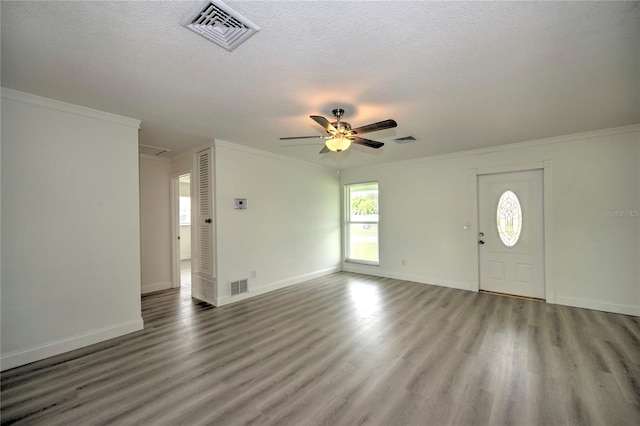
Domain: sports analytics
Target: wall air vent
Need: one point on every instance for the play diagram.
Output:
(406, 139)
(218, 23)
(238, 287)
(152, 150)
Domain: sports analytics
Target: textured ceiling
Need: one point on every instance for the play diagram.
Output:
(455, 75)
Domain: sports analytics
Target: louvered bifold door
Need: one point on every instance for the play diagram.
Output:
(203, 284)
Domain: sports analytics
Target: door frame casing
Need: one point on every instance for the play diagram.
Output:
(547, 179)
(174, 201)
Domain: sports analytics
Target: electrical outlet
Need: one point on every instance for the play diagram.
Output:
(241, 203)
(253, 274)
(404, 262)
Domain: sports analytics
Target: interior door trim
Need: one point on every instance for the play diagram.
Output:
(174, 197)
(174, 201)
(547, 185)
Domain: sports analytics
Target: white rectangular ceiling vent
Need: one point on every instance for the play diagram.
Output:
(218, 23)
(152, 150)
(406, 139)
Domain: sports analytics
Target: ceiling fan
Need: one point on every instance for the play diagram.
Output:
(340, 135)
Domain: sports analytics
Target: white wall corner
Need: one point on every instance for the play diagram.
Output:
(159, 286)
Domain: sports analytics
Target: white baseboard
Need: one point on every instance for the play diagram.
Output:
(151, 287)
(367, 270)
(598, 305)
(560, 300)
(18, 358)
(276, 285)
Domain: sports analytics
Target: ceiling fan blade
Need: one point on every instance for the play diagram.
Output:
(297, 144)
(381, 125)
(366, 142)
(301, 137)
(324, 149)
(324, 123)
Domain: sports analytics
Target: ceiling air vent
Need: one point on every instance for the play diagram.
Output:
(406, 139)
(218, 23)
(152, 150)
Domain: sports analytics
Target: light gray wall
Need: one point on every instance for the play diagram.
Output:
(290, 231)
(155, 225)
(426, 202)
(70, 227)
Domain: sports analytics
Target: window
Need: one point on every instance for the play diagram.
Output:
(362, 222)
(509, 218)
(185, 210)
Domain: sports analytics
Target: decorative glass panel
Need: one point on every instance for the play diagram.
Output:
(509, 218)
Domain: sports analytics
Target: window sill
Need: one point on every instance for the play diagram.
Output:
(362, 262)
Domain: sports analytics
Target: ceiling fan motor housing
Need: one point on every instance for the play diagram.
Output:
(342, 127)
(338, 113)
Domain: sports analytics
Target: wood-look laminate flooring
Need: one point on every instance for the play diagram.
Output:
(345, 349)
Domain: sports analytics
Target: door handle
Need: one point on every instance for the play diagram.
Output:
(208, 220)
(480, 242)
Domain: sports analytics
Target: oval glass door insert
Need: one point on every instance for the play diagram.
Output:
(509, 218)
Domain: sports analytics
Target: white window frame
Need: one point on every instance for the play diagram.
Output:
(348, 222)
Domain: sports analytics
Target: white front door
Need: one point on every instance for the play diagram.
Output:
(511, 233)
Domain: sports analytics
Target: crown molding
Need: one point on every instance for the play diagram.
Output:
(28, 98)
(633, 128)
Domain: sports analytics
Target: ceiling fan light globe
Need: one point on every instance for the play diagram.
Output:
(338, 144)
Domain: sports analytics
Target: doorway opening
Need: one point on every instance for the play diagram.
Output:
(183, 258)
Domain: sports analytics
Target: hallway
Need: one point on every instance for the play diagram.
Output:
(185, 275)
